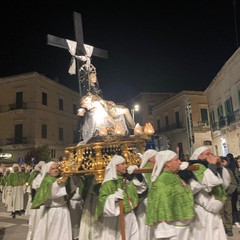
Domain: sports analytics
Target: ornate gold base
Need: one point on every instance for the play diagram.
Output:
(92, 158)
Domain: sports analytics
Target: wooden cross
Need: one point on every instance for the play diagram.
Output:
(83, 66)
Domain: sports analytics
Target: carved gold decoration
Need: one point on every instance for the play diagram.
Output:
(92, 158)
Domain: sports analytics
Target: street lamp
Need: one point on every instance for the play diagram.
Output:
(135, 109)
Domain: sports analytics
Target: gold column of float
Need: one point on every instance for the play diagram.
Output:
(98, 164)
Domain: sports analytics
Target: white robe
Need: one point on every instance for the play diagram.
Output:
(96, 118)
(208, 223)
(15, 200)
(55, 223)
(34, 214)
(108, 225)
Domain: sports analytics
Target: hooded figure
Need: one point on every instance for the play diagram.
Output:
(146, 232)
(113, 189)
(15, 188)
(55, 222)
(198, 152)
(170, 201)
(34, 214)
(210, 195)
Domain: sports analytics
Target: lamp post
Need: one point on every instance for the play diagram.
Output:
(133, 110)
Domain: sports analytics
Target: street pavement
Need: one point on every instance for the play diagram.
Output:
(17, 228)
(12, 228)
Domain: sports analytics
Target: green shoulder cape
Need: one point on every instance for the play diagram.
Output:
(13, 179)
(218, 191)
(43, 192)
(169, 200)
(109, 187)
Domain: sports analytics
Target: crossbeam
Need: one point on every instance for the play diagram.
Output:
(80, 50)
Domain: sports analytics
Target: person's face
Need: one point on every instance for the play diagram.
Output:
(54, 170)
(173, 165)
(152, 160)
(224, 163)
(205, 154)
(121, 168)
(92, 78)
(15, 169)
(238, 162)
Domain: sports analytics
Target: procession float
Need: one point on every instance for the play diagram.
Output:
(107, 128)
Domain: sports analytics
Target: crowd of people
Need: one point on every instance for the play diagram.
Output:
(171, 202)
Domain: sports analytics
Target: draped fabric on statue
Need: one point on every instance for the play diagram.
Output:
(95, 118)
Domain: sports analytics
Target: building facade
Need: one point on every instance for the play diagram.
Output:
(223, 96)
(182, 122)
(146, 102)
(35, 110)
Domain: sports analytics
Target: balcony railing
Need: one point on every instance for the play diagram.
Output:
(19, 140)
(15, 106)
(227, 120)
(171, 127)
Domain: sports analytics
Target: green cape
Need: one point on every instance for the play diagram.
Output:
(43, 192)
(169, 200)
(218, 191)
(109, 187)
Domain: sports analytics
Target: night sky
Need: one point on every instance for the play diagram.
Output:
(167, 46)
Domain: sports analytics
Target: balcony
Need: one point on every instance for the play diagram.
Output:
(201, 124)
(18, 140)
(172, 127)
(226, 122)
(15, 106)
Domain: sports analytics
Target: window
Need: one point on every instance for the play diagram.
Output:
(44, 98)
(76, 136)
(60, 134)
(220, 111)
(177, 118)
(60, 104)
(228, 106)
(204, 115)
(19, 100)
(212, 118)
(150, 108)
(229, 111)
(207, 143)
(74, 109)
(18, 133)
(44, 131)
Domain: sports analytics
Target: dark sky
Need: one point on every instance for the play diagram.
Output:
(154, 46)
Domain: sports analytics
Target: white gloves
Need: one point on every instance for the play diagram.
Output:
(131, 168)
(184, 165)
(119, 194)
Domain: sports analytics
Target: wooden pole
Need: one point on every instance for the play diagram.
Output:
(122, 225)
(149, 170)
